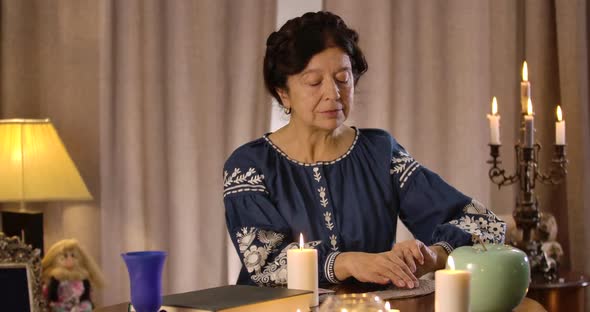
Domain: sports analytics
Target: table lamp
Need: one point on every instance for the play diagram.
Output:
(34, 167)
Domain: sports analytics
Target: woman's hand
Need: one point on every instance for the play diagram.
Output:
(420, 258)
(413, 252)
(380, 268)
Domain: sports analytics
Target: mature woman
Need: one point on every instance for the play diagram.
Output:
(342, 187)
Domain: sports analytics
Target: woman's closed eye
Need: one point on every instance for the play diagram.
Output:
(312, 79)
(343, 77)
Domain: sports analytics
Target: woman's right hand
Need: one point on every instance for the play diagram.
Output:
(379, 268)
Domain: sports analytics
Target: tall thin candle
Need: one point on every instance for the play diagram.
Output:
(529, 126)
(494, 119)
(559, 128)
(525, 88)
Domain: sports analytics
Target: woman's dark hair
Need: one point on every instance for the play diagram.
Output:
(289, 50)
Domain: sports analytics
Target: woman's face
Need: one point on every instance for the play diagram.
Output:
(321, 95)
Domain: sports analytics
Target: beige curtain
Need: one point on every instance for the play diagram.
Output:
(573, 37)
(433, 68)
(49, 69)
(182, 89)
(430, 97)
(150, 97)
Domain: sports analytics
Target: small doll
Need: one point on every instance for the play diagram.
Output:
(68, 274)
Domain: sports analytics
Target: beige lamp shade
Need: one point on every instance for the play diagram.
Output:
(34, 164)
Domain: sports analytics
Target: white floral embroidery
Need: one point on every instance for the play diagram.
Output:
(328, 219)
(241, 182)
(323, 200)
(397, 169)
(334, 242)
(402, 167)
(270, 237)
(468, 224)
(402, 158)
(316, 174)
(312, 244)
(275, 272)
(475, 207)
(400, 162)
(254, 256)
(497, 228)
(481, 222)
(245, 238)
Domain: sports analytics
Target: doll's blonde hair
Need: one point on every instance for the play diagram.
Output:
(85, 261)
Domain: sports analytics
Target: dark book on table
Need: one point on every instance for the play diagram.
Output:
(238, 298)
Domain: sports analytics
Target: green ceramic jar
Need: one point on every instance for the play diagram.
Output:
(500, 276)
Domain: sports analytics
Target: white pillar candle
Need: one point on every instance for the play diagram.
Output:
(494, 119)
(529, 126)
(302, 270)
(525, 88)
(559, 128)
(451, 290)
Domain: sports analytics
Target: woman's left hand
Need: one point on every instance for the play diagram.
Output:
(420, 258)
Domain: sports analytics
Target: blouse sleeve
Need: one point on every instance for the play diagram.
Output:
(435, 212)
(259, 232)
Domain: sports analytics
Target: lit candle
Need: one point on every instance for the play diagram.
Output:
(529, 126)
(525, 88)
(451, 289)
(494, 119)
(302, 270)
(559, 128)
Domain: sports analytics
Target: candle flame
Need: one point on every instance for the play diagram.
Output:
(559, 113)
(494, 106)
(387, 306)
(529, 108)
(451, 263)
(525, 72)
(300, 240)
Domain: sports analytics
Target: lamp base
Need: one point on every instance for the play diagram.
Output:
(29, 223)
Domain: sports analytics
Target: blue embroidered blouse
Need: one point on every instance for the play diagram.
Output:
(348, 204)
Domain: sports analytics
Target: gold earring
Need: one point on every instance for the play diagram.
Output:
(287, 110)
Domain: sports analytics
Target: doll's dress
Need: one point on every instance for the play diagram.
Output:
(69, 293)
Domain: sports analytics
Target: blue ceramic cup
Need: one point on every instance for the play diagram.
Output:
(145, 278)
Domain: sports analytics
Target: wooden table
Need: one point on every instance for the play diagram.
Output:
(422, 303)
(565, 293)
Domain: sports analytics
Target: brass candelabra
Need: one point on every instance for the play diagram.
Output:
(526, 213)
